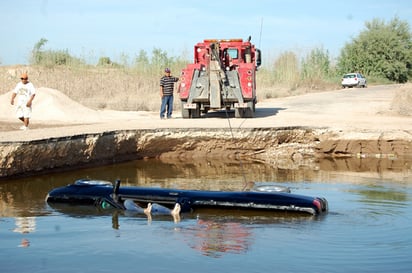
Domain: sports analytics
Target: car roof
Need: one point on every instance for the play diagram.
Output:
(352, 74)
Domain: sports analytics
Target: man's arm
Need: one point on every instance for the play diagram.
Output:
(13, 96)
(30, 101)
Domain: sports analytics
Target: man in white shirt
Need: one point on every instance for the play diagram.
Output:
(25, 92)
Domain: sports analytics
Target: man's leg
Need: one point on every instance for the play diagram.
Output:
(170, 107)
(163, 107)
(24, 126)
(26, 117)
(176, 213)
(20, 113)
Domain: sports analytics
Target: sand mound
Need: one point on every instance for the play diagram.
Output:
(402, 101)
(51, 105)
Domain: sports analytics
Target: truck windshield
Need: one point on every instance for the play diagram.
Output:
(232, 53)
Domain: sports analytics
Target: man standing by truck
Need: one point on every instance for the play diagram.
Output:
(166, 93)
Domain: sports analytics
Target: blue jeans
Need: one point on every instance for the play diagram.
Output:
(167, 101)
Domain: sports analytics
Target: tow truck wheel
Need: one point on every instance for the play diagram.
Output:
(238, 112)
(185, 112)
(248, 112)
(195, 113)
(252, 108)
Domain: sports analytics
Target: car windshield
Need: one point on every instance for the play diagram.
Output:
(349, 76)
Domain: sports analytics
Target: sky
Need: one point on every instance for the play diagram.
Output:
(91, 29)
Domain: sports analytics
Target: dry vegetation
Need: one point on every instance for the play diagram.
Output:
(97, 88)
(123, 89)
(128, 89)
(402, 102)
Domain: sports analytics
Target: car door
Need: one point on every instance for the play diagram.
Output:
(361, 79)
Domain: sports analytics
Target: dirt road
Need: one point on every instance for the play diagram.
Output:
(351, 110)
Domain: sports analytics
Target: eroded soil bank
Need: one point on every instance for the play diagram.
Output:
(288, 147)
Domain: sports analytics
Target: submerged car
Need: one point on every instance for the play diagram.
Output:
(104, 194)
(354, 80)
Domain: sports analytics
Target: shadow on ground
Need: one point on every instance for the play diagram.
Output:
(259, 113)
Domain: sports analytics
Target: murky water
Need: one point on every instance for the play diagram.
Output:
(368, 227)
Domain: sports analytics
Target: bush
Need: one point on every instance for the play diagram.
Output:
(382, 50)
(51, 58)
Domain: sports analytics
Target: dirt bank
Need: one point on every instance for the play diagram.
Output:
(343, 123)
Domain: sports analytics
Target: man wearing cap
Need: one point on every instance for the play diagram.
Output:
(25, 92)
(166, 93)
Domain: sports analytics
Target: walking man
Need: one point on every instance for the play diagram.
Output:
(25, 92)
(166, 93)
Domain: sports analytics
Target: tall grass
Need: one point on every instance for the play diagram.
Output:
(133, 84)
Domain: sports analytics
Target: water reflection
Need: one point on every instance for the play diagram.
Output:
(213, 233)
(369, 164)
(375, 197)
(214, 239)
(24, 243)
(25, 224)
(380, 193)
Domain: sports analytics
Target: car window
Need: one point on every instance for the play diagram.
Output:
(349, 76)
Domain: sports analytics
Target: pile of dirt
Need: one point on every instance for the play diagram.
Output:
(402, 101)
(52, 106)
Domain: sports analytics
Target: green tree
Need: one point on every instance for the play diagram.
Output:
(104, 61)
(286, 68)
(160, 59)
(52, 57)
(141, 61)
(316, 65)
(37, 54)
(382, 49)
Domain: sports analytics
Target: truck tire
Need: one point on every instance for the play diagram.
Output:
(195, 113)
(190, 113)
(248, 112)
(238, 113)
(185, 112)
(252, 106)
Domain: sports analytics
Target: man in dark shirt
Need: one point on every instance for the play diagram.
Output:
(166, 93)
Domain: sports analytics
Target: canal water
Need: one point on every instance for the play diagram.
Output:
(368, 227)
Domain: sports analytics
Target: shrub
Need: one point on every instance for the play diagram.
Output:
(381, 50)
